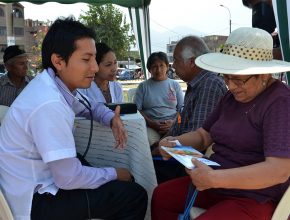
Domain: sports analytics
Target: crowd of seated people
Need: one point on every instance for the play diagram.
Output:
(41, 177)
(241, 115)
(248, 130)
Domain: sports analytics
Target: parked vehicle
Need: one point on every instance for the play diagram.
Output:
(125, 75)
(119, 71)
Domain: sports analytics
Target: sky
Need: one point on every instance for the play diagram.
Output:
(205, 17)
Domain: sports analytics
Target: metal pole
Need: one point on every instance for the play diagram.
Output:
(129, 57)
(230, 16)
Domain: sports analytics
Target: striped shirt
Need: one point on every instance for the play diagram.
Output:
(8, 91)
(202, 95)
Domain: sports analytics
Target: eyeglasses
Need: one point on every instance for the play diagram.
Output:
(237, 82)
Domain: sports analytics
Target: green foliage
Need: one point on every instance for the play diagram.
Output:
(36, 61)
(221, 46)
(134, 55)
(110, 26)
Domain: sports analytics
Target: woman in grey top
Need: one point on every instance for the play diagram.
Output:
(159, 98)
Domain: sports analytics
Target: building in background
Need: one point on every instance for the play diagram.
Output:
(31, 29)
(34, 33)
(170, 49)
(11, 26)
(14, 29)
(215, 42)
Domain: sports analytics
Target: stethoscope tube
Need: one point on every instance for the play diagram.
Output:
(88, 106)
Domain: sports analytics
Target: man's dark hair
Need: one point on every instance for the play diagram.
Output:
(156, 56)
(61, 38)
(263, 15)
(247, 3)
(102, 49)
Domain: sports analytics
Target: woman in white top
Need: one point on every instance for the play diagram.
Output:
(104, 88)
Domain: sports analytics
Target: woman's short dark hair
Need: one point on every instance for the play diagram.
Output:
(156, 56)
(102, 49)
(61, 38)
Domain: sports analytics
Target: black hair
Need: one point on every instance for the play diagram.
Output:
(102, 49)
(156, 56)
(247, 3)
(61, 38)
(263, 17)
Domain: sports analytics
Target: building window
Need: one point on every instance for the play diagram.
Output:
(2, 31)
(17, 13)
(2, 14)
(19, 31)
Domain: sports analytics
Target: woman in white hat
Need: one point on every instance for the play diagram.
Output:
(250, 130)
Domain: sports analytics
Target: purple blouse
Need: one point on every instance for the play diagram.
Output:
(246, 133)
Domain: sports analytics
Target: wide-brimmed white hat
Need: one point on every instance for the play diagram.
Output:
(247, 51)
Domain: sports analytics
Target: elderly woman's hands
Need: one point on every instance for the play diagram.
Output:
(201, 176)
(119, 132)
(166, 142)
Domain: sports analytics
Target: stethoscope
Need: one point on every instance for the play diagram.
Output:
(85, 102)
(88, 106)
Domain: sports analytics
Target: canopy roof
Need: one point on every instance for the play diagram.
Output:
(125, 3)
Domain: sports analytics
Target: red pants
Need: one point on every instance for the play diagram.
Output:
(168, 202)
